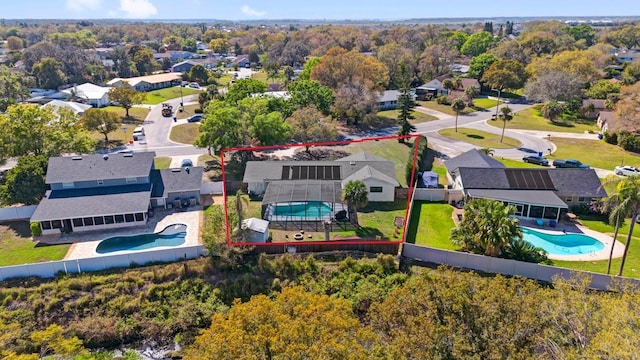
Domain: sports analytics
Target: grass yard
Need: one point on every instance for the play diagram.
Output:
(485, 103)
(480, 138)
(162, 162)
(16, 247)
(518, 164)
(135, 113)
(433, 105)
(119, 137)
(442, 174)
(419, 117)
(212, 168)
(632, 264)
(431, 225)
(530, 119)
(157, 96)
(596, 153)
(388, 149)
(188, 110)
(184, 133)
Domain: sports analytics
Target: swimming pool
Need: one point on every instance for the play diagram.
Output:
(309, 209)
(562, 244)
(172, 235)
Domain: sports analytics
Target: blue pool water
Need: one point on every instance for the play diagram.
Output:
(562, 244)
(309, 209)
(172, 235)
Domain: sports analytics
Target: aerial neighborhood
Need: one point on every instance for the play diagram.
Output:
(318, 189)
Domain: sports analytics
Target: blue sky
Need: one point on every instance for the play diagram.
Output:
(309, 9)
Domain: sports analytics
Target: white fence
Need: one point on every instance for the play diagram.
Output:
(51, 268)
(430, 194)
(211, 188)
(17, 212)
(504, 266)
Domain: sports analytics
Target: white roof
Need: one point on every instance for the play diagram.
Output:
(151, 79)
(255, 224)
(77, 108)
(88, 91)
(368, 172)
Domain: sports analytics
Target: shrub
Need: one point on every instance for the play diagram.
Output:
(443, 100)
(611, 138)
(421, 144)
(35, 228)
(628, 141)
(198, 111)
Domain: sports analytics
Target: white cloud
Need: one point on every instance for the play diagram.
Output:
(251, 12)
(82, 5)
(138, 9)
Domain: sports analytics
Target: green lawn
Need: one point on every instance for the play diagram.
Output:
(485, 103)
(632, 265)
(162, 162)
(480, 138)
(530, 119)
(433, 105)
(431, 225)
(16, 247)
(388, 149)
(157, 96)
(442, 174)
(184, 133)
(596, 153)
(518, 164)
(119, 137)
(188, 111)
(419, 117)
(224, 80)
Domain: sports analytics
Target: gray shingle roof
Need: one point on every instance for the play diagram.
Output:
(369, 172)
(533, 197)
(167, 181)
(58, 205)
(472, 158)
(483, 178)
(99, 167)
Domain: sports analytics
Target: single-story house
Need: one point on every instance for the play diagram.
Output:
(592, 107)
(183, 66)
(536, 193)
(629, 55)
(96, 96)
(241, 61)
(436, 84)
(608, 121)
(388, 100)
(149, 82)
(96, 192)
(77, 108)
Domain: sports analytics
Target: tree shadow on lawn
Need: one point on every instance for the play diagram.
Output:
(384, 206)
(130, 120)
(366, 232)
(16, 229)
(474, 136)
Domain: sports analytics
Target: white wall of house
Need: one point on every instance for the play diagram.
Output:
(257, 188)
(388, 190)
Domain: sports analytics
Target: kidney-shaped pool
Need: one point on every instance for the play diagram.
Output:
(172, 235)
(561, 243)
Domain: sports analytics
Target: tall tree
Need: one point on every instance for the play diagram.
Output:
(617, 215)
(25, 183)
(470, 93)
(126, 97)
(505, 74)
(551, 110)
(48, 73)
(628, 198)
(199, 73)
(220, 127)
(457, 106)
(356, 196)
(15, 43)
(304, 93)
(505, 115)
(243, 88)
(101, 121)
(487, 227)
(269, 129)
(308, 125)
(479, 64)
(407, 104)
(555, 85)
(477, 44)
(13, 88)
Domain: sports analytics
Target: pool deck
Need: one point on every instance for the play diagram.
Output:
(572, 227)
(86, 244)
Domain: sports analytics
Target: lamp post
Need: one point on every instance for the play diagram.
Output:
(498, 103)
(124, 132)
(181, 99)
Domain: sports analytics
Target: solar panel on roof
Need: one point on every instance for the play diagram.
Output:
(296, 172)
(529, 179)
(285, 172)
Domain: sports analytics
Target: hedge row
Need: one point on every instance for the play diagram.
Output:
(421, 165)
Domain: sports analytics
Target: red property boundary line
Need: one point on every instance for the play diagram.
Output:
(416, 137)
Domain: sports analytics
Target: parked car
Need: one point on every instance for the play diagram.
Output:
(194, 85)
(570, 163)
(186, 163)
(194, 118)
(626, 170)
(138, 133)
(535, 159)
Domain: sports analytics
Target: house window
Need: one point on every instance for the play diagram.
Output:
(77, 222)
(139, 216)
(100, 182)
(132, 180)
(119, 219)
(67, 185)
(108, 219)
(568, 199)
(46, 225)
(582, 199)
(98, 220)
(128, 218)
(375, 189)
(88, 221)
(56, 224)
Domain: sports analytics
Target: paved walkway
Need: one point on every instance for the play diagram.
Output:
(87, 243)
(438, 114)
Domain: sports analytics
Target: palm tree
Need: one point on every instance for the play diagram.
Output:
(470, 93)
(628, 202)
(458, 106)
(505, 115)
(616, 215)
(356, 196)
(551, 110)
(486, 151)
(487, 228)
(456, 83)
(448, 85)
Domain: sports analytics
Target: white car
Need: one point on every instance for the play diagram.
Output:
(626, 170)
